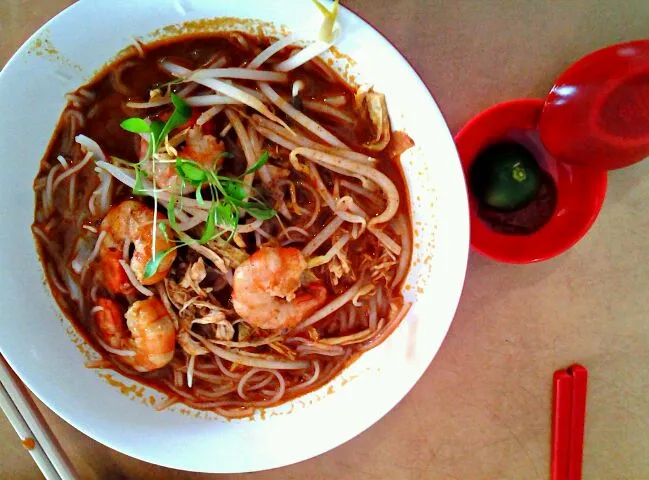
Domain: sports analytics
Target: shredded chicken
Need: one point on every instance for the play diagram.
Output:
(232, 256)
(194, 275)
(224, 331)
(177, 295)
(214, 317)
(371, 105)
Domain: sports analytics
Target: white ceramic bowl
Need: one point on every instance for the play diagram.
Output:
(46, 353)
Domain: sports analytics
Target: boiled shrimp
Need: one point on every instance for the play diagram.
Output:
(132, 221)
(267, 289)
(200, 147)
(147, 338)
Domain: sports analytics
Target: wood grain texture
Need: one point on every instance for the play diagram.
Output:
(482, 410)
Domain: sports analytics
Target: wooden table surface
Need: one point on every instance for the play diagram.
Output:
(482, 410)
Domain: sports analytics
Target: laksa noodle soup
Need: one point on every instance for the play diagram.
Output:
(226, 220)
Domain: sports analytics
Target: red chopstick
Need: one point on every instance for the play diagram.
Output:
(568, 416)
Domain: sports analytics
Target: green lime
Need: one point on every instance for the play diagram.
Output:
(505, 176)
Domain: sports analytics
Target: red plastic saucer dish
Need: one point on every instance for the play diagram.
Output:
(597, 113)
(580, 190)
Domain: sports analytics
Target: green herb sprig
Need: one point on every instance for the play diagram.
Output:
(228, 196)
(157, 131)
